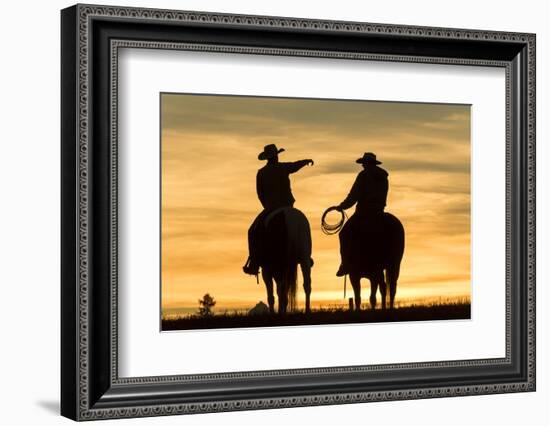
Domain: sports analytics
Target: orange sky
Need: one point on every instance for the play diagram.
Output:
(210, 146)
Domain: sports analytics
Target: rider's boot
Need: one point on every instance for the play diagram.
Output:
(341, 271)
(251, 267)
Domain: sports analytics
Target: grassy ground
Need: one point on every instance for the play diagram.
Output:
(323, 316)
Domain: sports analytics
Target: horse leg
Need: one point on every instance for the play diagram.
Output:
(355, 280)
(391, 275)
(306, 273)
(282, 295)
(268, 280)
(373, 288)
(382, 286)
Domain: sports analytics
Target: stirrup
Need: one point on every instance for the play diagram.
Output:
(251, 269)
(341, 271)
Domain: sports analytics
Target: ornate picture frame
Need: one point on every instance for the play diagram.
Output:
(91, 39)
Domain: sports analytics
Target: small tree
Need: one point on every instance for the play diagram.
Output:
(205, 305)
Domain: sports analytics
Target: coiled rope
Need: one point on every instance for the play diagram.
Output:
(331, 229)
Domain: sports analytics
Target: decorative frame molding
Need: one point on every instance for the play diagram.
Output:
(91, 37)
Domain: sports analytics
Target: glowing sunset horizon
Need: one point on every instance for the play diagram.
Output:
(209, 153)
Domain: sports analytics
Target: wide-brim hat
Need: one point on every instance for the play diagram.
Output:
(269, 151)
(368, 158)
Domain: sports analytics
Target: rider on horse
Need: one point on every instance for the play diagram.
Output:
(369, 192)
(273, 188)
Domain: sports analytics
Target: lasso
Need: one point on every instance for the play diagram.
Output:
(329, 229)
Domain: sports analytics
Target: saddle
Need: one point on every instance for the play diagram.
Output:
(369, 223)
(274, 213)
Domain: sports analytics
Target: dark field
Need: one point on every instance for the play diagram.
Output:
(318, 317)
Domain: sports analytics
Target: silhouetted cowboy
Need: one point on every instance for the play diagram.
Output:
(273, 188)
(369, 192)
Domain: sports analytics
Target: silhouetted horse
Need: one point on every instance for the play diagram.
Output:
(371, 254)
(287, 244)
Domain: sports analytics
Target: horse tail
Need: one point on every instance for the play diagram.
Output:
(394, 240)
(394, 254)
(291, 284)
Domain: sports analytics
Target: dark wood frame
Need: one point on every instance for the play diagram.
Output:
(90, 386)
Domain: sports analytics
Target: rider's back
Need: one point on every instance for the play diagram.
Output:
(374, 189)
(273, 185)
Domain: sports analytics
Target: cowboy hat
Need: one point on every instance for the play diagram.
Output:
(368, 157)
(270, 151)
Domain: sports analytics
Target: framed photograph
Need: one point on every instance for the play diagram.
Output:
(263, 212)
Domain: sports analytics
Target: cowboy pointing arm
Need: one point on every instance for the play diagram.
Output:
(291, 167)
(297, 165)
(265, 186)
